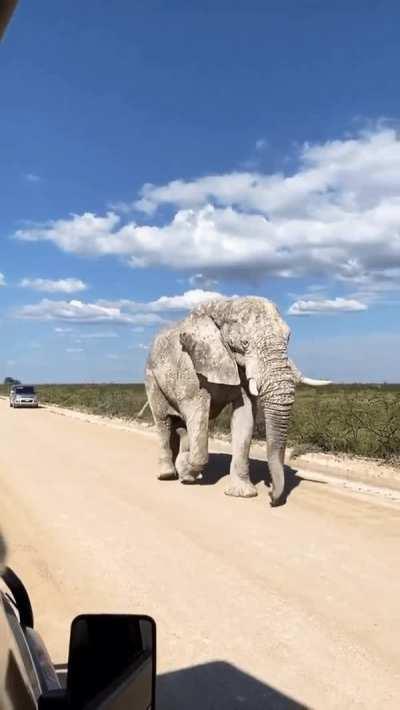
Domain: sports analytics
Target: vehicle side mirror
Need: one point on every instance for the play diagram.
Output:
(111, 664)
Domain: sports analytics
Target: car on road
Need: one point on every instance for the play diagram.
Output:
(23, 396)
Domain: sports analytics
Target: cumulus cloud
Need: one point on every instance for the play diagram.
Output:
(182, 302)
(79, 312)
(335, 305)
(69, 285)
(2, 280)
(185, 301)
(337, 215)
(81, 234)
(123, 311)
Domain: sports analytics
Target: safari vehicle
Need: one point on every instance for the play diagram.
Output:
(111, 664)
(112, 657)
(23, 396)
(111, 661)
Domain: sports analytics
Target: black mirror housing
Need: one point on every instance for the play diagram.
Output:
(111, 664)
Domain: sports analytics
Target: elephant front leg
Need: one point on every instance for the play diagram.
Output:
(242, 425)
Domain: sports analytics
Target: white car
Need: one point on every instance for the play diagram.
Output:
(23, 396)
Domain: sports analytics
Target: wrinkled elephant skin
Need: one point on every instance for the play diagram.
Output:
(228, 351)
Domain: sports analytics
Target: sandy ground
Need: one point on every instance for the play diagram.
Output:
(255, 607)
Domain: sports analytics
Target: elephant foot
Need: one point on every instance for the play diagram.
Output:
(276, 502)
(168, 476)
(242, 489)
(185, 470)
(188, 478)
(167, 473)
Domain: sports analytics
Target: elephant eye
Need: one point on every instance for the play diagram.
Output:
(245, 343)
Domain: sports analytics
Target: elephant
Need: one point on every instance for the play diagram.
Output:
(226, 351)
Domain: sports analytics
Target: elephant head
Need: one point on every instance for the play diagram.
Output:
(249, 334)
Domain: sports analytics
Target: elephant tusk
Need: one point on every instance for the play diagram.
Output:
(307, 380)
(253, 387)
(143, 409)
(314, 383)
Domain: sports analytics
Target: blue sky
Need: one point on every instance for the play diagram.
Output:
(154, 150)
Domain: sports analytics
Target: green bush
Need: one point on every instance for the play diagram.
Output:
(364, 422)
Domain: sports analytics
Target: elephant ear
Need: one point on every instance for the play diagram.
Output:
(211, 356)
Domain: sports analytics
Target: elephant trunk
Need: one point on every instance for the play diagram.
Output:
(277, 396)
(276, 426)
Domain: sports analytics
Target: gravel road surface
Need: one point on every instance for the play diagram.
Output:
(255, 607)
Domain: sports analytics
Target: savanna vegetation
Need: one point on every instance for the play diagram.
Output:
(355, 419)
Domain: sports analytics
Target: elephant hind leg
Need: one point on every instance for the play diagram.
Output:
(166, 461)
(182, 463)
(165, 427)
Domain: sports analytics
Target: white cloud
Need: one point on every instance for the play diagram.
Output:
(336, 216)
(79, 312)
(123, 311)
(113, 356)
(69, 285)
(74, 350)
(335, 305)
(186, 301)
(182, 302)
(81, 234)
(32, 177)
(202, 281)
(2, 280)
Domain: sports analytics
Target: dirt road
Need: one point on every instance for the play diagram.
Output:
(255, 607)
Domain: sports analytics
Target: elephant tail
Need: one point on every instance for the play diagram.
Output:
(143, 409)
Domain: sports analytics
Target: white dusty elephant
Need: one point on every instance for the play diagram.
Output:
(226, 351)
